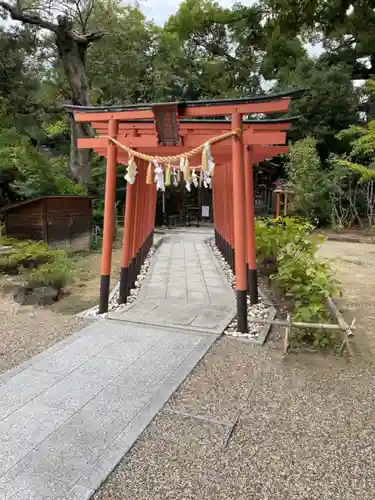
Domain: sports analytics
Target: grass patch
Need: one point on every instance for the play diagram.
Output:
(85, 284)
(29, 265)
(56, 273)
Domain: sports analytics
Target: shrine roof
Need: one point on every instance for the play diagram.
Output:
(187, 104)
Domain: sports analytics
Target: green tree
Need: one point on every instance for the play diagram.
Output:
(26, 168)
(221, 48)
(27, 172)
(282, 54)
(310, 183)
(361, 162)
(361, 157)
(68, 22)
(345, 28)
(121, 69)
(329, 104)
(19, 81)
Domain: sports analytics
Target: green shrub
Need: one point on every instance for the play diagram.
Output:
(56, 273)
(274, 234)
(34, 172)
(23, 254)
(44, 267)
(307, 281)
(287, 248)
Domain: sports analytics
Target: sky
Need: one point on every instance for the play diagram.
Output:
(160, 10)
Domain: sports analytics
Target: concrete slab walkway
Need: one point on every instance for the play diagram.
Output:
(185, 287)
(70, 414)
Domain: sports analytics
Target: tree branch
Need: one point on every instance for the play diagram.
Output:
(215, 50)
(98, 35)
(18, 15)
(87, 38)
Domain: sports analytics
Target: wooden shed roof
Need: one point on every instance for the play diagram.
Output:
(39, 198)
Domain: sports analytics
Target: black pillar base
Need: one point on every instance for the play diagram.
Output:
(242, 311)
(104, 294)
(252, 283)
(131, 274)
(124, 285)
(139, 263)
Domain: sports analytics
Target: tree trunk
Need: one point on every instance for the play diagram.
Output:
(72, 55)
(79, 159)
(72, 47)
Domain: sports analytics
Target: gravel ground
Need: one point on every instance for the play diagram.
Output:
(25, 331)
(304, 431)
(354, 263)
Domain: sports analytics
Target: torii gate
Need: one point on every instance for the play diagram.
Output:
(173, 130)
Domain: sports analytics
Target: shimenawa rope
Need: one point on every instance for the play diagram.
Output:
(175, 158)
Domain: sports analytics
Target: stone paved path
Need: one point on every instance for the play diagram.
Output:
(185, 287)
(70, 414)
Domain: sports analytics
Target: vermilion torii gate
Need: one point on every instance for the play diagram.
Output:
(169, 134)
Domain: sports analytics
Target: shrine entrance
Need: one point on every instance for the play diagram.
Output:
(175, 207)
(204, 144)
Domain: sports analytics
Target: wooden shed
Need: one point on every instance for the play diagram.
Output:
(61, 221)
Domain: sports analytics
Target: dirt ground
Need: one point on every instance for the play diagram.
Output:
(84, 291)
(28, 330)
(355, 269)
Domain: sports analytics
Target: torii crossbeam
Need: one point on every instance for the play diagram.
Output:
(175, 129)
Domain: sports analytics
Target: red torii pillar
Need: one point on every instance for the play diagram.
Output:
(126, 256)
(109, 218)
(252, 278)
(253, 155)
(239, 222)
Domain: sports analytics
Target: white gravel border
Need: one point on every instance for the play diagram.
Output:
(262, 310)
(113, 304)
